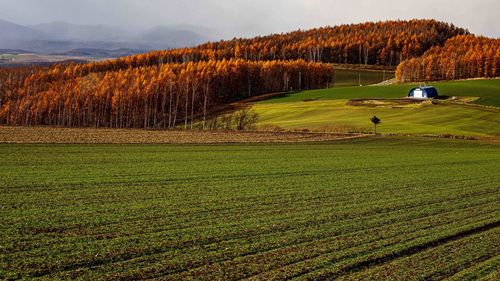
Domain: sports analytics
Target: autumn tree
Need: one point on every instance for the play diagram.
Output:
(147, 97)
(463, 56)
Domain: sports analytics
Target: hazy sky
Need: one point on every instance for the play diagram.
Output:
(250, 17)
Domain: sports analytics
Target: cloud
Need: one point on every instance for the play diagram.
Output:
(251, 17)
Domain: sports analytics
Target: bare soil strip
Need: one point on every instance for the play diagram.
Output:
(54, 135)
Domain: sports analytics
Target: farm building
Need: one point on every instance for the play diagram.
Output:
(423, 93)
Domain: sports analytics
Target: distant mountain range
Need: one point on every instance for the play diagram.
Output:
(62, 38)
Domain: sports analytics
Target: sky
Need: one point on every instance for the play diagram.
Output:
(243, 18)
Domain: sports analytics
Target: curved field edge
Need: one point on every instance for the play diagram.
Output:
(487, 90)
(423, 119)
(330, 109)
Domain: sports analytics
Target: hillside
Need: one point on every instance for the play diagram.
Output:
(154, 97)
(132, 91)
(345, 77)
(249, 140)
(330, 110)
(463, 56)
(381, 43)
(73, 32)
(12, 34)
(62, 37)
(181, 87)
(487, 90)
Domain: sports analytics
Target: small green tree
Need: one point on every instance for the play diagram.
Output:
(375, 120)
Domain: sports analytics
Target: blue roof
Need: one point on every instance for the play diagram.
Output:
(430, 91)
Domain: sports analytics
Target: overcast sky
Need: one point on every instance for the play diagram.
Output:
(251, 17)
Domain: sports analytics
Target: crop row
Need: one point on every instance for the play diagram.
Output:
(293, 239)
(232, 212)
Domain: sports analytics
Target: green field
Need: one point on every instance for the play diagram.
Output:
(352, 77)
(487, 90)
(328, 107)
(385, 208)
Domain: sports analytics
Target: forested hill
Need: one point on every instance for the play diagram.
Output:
(162, 96)
(163, 89)
(463, 56)
(381, 43)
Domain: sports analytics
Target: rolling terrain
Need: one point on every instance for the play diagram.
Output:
(345, 77)
(140, 167)
(487, 90)
(321, 109)
(49, 40)
(132, 92)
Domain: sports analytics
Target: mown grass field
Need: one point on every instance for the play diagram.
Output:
(344, 77)
(488, 90)
(426, 210)
(327, 108)
(419, 120)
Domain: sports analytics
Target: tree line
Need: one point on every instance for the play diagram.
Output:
(373, 43)
(370, 43)
(463, 56)
(164, 96)
(172, 88)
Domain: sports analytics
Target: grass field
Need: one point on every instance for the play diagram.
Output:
(426, 210)
(488, 91)
(352, 77)
(324, 108)
(422, 119)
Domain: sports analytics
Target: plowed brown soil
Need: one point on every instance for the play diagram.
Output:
(118, 136)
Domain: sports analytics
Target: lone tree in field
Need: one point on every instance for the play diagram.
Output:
(375, 120)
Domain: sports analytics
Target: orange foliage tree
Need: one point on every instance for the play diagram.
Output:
(148, 97)
(463, 56)
(373, 43)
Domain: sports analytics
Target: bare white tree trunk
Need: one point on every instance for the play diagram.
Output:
(186, 115)
(195, 84)
(205, 101)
